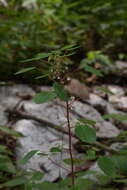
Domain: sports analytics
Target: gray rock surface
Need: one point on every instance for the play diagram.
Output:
(3, 116)
(40, 137)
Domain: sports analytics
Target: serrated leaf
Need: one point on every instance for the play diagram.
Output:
(106, 90)
(61, 93)
(107, 166)
(28, 156)
(14, 182)
(85, 133)
(43, 97)
(11, 132)
(93, 71)
(87, 121)
(115, 116)
(25, 70)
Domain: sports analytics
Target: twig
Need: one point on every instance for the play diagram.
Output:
(106, 148)
(25, 115)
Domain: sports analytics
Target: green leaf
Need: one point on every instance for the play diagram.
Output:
(76, 161)
(93, 54)
(61, 93)
(107, 166)
(87, 121)
(115, 116)
(28, 156)
(123, 150)
(103, 179)
(106, 90)
(67, 47)
(28, 186)
(48, 186)
(120, 162)
(103, 59)
(84, 62)
(124, 181)
(92, 70)
(91, 154)
(83, 184)
(73, 48)
(55, 149)
(42, 55)
(42, 154)
(85, 133)
(37, 175)
(6, 164)
(14, 182)
(42, 76)
(38, 57)
(11, 132)
(43, 97)
(25, 70)
(69, 54)
(4, 149)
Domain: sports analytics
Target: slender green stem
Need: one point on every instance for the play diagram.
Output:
(70, 145)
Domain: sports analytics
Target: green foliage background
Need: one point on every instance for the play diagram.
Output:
(94, 25)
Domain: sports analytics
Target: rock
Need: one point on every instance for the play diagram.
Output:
(30, 4)
(104, 107)
(78, 89)
(117, 90)
(121, 67)
(3, 116)
(104, 128)
(15, 90)
(95, 171)
(42, 138)
(119, 99)
(4, 3)
(118, 145)
(56, 114)
(11, 95)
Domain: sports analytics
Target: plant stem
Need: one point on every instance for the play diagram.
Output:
(70, 144)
